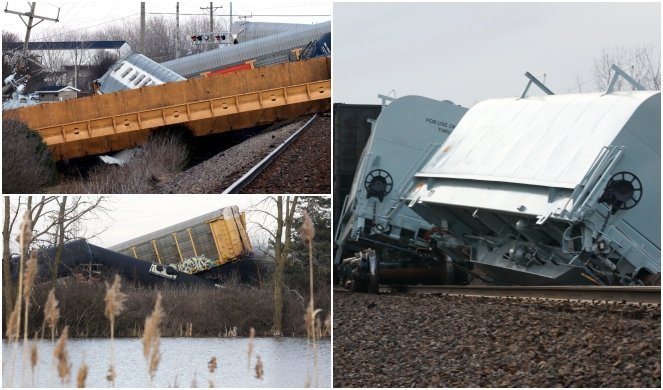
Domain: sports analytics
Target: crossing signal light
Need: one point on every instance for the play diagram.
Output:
(194, 38)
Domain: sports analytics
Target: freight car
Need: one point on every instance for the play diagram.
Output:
(201, 251)
(374, 227)
(553, 189)
(200, 245)
(86, 261)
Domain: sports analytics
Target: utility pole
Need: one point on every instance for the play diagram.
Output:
(142, 27)
(30, 24)
(231, 17)
(177, 30)
(211, 15)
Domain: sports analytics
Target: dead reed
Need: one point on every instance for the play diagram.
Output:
(29, 282)
(211, 366)
(24, 239)
(252, 334)
(307, 233)
(82, 374)
(34, 357)
(259, 369)
(25, 282)
(152, 337)
(51, 312)
(62, 357)
(114, 300)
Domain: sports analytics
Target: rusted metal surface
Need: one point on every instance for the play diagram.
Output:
(640, 294)
(104, 123)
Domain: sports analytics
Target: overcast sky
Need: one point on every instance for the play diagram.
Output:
(468, 52)
(94, 15)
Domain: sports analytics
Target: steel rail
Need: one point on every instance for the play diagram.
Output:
(264, 163)
(638, 294)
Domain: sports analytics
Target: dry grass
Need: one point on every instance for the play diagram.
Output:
(308, 234)
(152, 337)
(82, 374)
(34, 357)
(12, 324)
(110, 377)
(51, 312)
(260, 372)
(114, 300)
(164, 155)
(29, 277)
(252, 334)
(62, 357)
(211, 366)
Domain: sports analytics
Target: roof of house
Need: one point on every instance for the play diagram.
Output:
(65, 45)
(56, 88)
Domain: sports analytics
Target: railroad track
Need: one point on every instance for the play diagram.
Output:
(252, 173)
(633, 294)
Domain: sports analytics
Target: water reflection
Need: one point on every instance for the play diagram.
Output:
(286, 363)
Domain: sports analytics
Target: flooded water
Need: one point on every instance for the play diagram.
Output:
(286, 362)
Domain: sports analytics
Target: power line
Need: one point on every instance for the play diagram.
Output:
(95, 25)
(239, 15)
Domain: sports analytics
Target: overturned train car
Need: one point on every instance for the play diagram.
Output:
(556, 189)
(210, 249)
(378, 240)
(81, 259)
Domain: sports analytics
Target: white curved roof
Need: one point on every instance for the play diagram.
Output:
(547, 140)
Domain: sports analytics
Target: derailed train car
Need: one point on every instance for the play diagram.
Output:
(373, 225)
(214, 245)
(201, 251)
(557, 189)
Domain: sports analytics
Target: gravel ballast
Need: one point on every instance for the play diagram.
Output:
(452, 341)
(217, 173)
(303, 168)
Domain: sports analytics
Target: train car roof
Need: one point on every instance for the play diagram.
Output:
(550, 140)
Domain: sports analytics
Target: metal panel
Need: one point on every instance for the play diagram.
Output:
(408, 128)
(134, 71)
(548, 140)
(248, 31)
(195, 237)
(204, 240)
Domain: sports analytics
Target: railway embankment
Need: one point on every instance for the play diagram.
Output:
(462, 341)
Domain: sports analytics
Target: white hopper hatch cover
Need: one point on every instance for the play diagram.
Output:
(545, 141)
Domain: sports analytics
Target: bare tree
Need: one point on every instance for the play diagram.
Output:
(278, 225)
(643, 63)
(55, 220)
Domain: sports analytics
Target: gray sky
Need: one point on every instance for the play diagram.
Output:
(469, 52)
(95, 15)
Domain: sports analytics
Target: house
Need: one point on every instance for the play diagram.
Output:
(55, 93)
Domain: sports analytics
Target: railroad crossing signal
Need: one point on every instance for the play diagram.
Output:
(219, 38)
